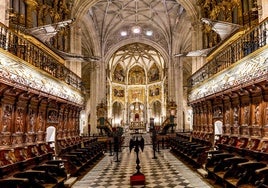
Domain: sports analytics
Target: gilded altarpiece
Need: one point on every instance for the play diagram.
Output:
(154, 74)
(136, 81)
(118, 94)
(136, 94)
(136, 76)
(154, 93)
(119, 74)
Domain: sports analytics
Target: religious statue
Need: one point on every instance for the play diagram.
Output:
(246, 115)
(227, 117)
(19, 120)
(257, 115)
(7, 118)
(235, 115)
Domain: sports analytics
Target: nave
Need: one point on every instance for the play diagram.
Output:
(163, 172)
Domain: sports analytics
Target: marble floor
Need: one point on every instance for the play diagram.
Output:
(163, 172)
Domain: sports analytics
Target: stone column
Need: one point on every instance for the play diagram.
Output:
(197, 44)
(102, 81)
(94, 100)
(171, 80)
(98, 92)
(75, 47)
(178, 90)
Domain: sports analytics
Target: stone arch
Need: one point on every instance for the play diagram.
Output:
(156, 46)
(80, 8)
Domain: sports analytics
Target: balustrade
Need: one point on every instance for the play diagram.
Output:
(39, 56)
(251, 41)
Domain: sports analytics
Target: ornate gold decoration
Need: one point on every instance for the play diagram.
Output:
(136, 76)
(218, 10)
(154, 93)
(118, 74)
(154, 73)
(136, 94)
(254, 67)
(26, 75)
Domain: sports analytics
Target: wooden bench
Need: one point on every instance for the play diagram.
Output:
(81, 156)
(240, 164)
(191, 151)
(30, 162)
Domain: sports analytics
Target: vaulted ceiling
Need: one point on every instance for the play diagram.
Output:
(163, 23)
(151, 20)
(107, 25)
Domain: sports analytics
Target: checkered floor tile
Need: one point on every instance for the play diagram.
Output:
(164, 172)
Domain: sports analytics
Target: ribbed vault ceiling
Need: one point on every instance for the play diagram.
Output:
(111, 17)
(104, 20)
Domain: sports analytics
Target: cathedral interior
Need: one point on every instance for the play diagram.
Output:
(86, 84)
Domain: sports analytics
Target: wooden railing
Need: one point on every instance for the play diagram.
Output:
(37, 54)
(251, 41)
(106, 126)
(165, 123)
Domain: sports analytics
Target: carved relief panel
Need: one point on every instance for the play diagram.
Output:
(7, 112)
(245, 115)
(256, 111)
(204, 123)
(265, 109)
(265, 126)
(41, 121)
(209, 116)
(227, 115)
(20, 120)
(256, 117)
(7, 118)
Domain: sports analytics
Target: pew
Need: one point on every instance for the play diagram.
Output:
(241, 165)
(35, 165)
(82, 155)
(191, 150)
(38, 177)
(18, 183)
(262, 180)
(29, 163)
(243, 174)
